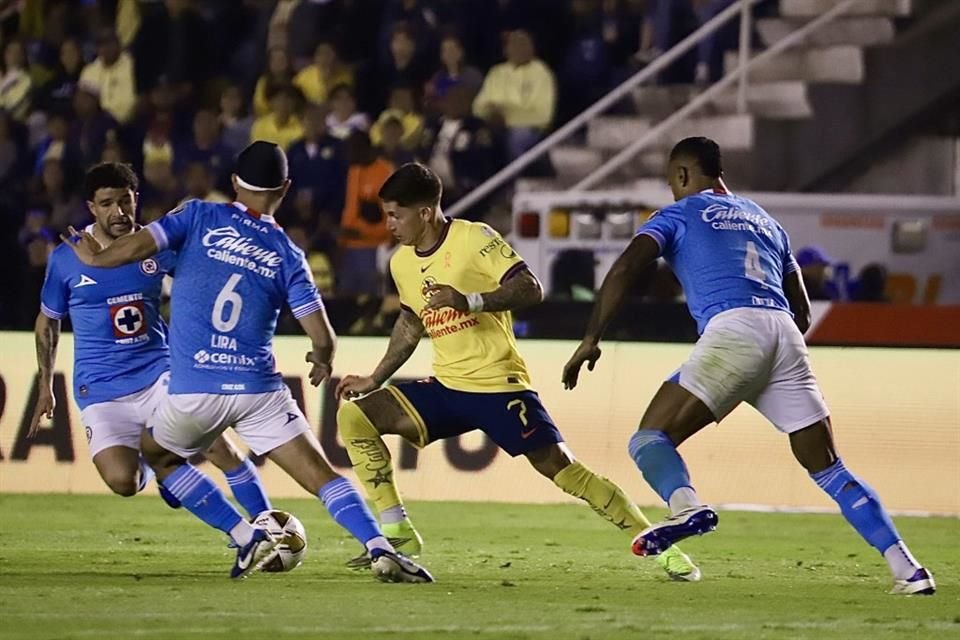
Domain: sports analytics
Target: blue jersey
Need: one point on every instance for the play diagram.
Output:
(120, 339)
(727, 252)
(235, 270)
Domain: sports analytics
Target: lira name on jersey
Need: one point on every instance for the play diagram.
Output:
(120, 339)
(235, 271)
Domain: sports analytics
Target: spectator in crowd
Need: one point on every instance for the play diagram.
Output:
(871, 284)
(404, 67)
(58, 146)
(187, 51)
(815, 267)
(519, 95)
(235, 121)
(458, 146)
(199, 185)
(453, 72)
(668, 22)
(160, 184)
(587, 70)
(318, 261)
(111, 74)
(402, 106)
(206, 146)
(344, 118)
(16, 86)
(12, 156)
(318, 165)
(418, 16)
(91, 127)
(37, 240)
(391, 146)
(281, 125)
(56, 95)
(293, 26)
(51, 193)
(363, 227)
(279, 74)
(326, 72)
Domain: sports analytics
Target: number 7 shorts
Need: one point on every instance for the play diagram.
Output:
(515, 420)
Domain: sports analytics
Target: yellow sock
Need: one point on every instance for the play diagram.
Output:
(603, 496)
(369, 456)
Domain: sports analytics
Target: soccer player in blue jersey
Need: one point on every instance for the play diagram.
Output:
(236, 268)
(121, 358)
(744, 289)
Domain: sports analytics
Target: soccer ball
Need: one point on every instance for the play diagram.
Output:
(293, 539)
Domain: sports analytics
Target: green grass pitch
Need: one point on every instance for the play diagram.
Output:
(106, 567)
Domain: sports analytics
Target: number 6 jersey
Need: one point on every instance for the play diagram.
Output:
(235, 270)
(726, 251)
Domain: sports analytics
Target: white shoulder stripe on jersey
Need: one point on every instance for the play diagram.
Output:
(159, 235)
(308, 308)
(50, 313)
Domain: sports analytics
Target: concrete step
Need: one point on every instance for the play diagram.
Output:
(841, 64)
(786, 100)
(573, 162)
(615, 132)
(813, 8)
(866, 31)
(657, 103)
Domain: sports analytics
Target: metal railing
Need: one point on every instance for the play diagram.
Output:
(739, 74)
(660, 63)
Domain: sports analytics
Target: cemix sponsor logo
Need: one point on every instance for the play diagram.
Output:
(204, 357)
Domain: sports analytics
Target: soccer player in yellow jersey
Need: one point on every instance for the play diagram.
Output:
(458, 282)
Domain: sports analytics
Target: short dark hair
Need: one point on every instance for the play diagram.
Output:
(704, 150)
(412, 184)
(109, 175)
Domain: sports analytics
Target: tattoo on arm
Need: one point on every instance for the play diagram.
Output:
(522, 290)
(403, 342)
(47, 336)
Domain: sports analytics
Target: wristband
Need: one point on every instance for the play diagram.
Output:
(475, 302)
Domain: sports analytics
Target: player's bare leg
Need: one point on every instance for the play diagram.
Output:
(608, 500)
(303, 460)
(815, 450)
(361, 424)
(673, 415)
(121, 470)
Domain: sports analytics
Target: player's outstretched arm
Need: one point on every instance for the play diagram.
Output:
(324, 343)
(130, 248)
(47, 334)
(404, 339)
(796, 293)
(519, 291)
(641, 251)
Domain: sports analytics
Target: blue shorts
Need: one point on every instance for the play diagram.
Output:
(515, 420)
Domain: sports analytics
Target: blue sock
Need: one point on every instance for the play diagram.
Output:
(657, 458)
(245, 484)
(349, 510)
(859, 504)
(201, 497)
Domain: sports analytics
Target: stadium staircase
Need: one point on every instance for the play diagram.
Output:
(810, 110)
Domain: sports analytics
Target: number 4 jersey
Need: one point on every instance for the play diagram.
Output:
(120, 339)
(235, 270)
(727, 252)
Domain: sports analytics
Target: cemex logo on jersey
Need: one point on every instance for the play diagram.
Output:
(226, 244)
(230, 361)
(724, 217)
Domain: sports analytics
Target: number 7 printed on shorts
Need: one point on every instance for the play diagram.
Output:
(522, 414)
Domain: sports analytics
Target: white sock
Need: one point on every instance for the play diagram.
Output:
(393, 515)
(902, 563)
(242, 533)
(380, 543)
(683, 498)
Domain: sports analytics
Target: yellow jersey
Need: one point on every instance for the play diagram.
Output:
(472, 351)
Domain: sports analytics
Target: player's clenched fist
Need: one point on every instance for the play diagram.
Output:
(443, 295)
(586, 352)
(353, 386)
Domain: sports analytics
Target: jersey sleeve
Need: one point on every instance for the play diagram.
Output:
(666, 227)
(55, 294)
(167, 261)
(493, 255)
(172, 230)
(789, 262)
(302, 294)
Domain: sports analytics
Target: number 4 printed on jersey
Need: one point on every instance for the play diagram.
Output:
(751, 263)
(227, 295)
